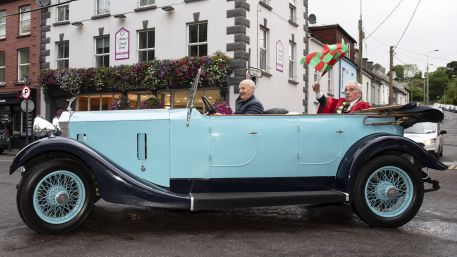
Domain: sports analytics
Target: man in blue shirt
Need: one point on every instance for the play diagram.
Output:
(247, 103)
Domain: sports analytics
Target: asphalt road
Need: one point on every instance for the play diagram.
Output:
(311, 230)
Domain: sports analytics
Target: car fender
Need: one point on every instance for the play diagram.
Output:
(369, 147)
(115, 184)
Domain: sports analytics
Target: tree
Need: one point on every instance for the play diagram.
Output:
(451, 69)
(416, 88)
(438, 82)
(411, 71)
(450, 96)
(399, 72)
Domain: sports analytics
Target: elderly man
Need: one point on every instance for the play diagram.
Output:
(353, 101)
(247, 103)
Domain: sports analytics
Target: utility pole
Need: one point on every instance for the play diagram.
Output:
(360, 71)
(391, 81)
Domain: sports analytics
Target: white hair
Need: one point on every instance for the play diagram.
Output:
(248, 82)
(356, 84)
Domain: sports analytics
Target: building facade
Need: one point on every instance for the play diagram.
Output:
(20, 47)
(269, 36)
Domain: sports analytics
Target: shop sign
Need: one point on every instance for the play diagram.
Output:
(122, 42)
(279, 56)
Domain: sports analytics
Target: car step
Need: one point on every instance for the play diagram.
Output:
(206, 201)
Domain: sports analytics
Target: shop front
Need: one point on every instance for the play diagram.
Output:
(14, 117)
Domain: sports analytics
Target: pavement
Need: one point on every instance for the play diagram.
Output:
(11, 152)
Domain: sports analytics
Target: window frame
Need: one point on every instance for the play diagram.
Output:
(66, 13)
(98, 10)
(146, 5)
(146, 49)
(198, 43)
(104, 37)
(293, 10)
(23, 20)
(3, 25)
(264, 48)
(293, 60)
(3, 68)
(62, 59)
(21, 65)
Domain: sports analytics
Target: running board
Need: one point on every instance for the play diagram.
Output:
(206, 201)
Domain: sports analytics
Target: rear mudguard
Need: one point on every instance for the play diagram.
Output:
(376, 144)
(115, 184)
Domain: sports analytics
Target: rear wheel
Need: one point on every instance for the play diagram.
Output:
(56, 196)
(388, 191)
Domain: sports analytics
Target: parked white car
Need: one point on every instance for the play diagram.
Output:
(429, 135)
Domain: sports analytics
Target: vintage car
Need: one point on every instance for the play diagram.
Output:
(188, 160)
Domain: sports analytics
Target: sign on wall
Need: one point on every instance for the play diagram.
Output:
(122, 44)
(279, 56)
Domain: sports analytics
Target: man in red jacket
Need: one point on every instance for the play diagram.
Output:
(353, 101)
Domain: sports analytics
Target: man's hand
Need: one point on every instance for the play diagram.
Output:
(316, 87)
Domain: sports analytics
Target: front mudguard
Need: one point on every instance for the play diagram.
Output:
(369, 147)
(115, 184)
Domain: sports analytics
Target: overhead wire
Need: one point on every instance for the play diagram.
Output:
(407, 26)
(38, 9)
(382, 22)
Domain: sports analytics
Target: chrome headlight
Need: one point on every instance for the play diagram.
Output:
(42, 127)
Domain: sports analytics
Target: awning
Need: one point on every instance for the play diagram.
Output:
(10, 98)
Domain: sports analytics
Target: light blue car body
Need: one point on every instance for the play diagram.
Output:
(157, 146)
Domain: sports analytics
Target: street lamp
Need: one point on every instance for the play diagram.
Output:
(427, 100)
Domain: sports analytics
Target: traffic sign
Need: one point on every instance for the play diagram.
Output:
(31, 106)
(26, 92)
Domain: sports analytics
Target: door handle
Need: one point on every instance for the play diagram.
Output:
(253, 133)
(339, 131)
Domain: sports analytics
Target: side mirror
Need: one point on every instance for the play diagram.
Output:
(442, 132)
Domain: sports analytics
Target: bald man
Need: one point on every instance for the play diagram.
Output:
(353, 101)
(247, 103)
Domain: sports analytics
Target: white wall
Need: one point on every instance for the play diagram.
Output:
(276, 91)
(366, 87)
(170, 29)
(171, 38)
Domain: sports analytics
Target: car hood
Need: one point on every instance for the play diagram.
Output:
(420, 138)
(124, 115)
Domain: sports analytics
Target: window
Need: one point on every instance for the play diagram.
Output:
(142, 3)
(198, 45)
(63, 11)
(102, 6)
(329, 82)
(146, 45)
(2, 68)
(23, 63)
(102, 51)
(263, 48)
(292, 10)
(25, 19)
(292, 60)
(63, 53)
(173, 99)
(96, 102)
(2, 24)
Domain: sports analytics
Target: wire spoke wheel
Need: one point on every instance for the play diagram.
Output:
(389, 191)
(56, 195)
(59, 197)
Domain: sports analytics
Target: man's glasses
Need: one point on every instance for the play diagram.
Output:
(349, 90)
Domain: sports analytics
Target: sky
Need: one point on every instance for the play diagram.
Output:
(433, 26)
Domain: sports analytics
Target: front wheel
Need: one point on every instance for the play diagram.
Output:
(56, 196)
(388, 191)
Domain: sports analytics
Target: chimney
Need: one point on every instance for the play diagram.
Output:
(364, 62)
(370, 66)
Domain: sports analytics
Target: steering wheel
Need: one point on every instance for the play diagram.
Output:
(209, 107)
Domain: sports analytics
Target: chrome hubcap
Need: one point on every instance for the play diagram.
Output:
(62, 198)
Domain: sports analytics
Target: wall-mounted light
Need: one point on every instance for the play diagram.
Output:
(119, 16)
(77, 23)
(168, 8)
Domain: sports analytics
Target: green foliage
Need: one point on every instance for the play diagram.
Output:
(451, 70)
(450, 96)
(438, 82)
(399, 72)
(416, 88)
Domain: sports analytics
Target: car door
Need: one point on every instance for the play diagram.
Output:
(321, 140)
(234, 145)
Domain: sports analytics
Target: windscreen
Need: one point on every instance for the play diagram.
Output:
(422, 128)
